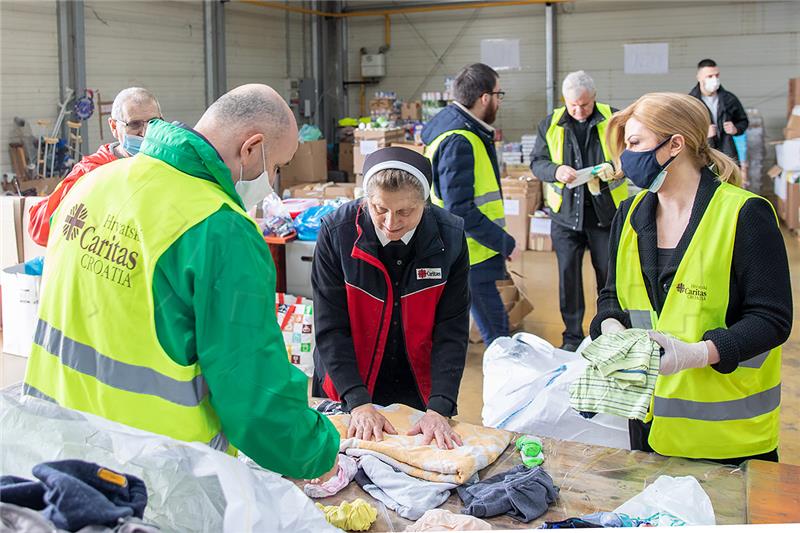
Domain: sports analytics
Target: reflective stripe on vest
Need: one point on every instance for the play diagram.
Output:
(700, 413)
(555, 144)
(487, 199)
(96, 349)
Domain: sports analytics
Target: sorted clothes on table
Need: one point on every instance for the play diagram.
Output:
(357, 515)
(522, 493)
(408, 496)
(482, 446)
(443, 520)
(621, 375)
(73, 494)
(344, 475)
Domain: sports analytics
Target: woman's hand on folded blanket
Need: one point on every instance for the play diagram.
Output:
(432, 426)
(367, 423)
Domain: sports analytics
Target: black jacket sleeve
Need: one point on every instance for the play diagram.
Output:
(456, 171)
(332, 321)
(451, 337)
(761, 278)
(607, 302)
(737, 114)
(541, 164)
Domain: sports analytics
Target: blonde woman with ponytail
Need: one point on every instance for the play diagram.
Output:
(701, 264)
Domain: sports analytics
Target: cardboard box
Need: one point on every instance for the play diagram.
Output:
(539, 239)
(381, 104)
(368, 141)
(346, 157)
(794, 94)
(792, 129)
(323, 190)
(11, 243)
(309, 164)
(517, 170)
(411, 111)
(521, 198)
(20, 301)
(515, 300)
(419, 148)
(29, 248)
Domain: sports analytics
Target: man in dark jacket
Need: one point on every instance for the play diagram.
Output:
(466, 182)
(728, 117)
(572, 138)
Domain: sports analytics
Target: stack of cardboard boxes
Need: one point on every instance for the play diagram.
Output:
(370, 140)
(323, 191)
(786, 173)
(522, 197)
(411, 111)
(309, 165)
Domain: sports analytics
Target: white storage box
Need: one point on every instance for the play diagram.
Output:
(20, 309)
(299, 256)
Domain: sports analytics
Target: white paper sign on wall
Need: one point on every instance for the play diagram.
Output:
(500, 54)
(647, 58)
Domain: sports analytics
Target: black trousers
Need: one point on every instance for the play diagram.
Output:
(570, 246)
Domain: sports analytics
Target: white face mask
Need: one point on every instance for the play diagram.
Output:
(711, 84)
(254, 191)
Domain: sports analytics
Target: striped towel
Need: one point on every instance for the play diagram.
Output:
(621, 375)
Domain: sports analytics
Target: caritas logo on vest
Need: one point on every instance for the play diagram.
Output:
(693, 292)
(105, 256)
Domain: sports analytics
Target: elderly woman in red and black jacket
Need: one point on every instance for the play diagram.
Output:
(391, 301)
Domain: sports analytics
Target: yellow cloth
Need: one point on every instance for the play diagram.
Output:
(482, 446)
(357, 515)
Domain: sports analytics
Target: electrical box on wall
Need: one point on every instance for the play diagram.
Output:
(373, 65)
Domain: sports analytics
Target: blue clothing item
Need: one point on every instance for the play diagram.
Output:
(454, 179)
(488, 310)
(35, 266)
(74, 494)
(523, 494)
(22, 492)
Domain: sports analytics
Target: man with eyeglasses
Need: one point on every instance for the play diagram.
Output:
(466, 182)
(131, 111)
(571, 138)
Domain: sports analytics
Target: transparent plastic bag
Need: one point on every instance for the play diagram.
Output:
(670, 498)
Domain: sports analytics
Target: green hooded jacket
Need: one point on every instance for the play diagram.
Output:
(214, 294)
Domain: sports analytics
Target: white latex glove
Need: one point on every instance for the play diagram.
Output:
(679, 355)
(611, 325)
(604, 171)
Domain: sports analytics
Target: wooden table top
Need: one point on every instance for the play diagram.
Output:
(773, 492)
(591, 479)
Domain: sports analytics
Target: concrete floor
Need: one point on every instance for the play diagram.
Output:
(540, 271)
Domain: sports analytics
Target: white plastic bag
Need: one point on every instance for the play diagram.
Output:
(526, 389)
(681, 497)
(190, 486)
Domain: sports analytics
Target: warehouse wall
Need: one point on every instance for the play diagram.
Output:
(159, 47)
(28, 68)
(757, 45)
(256, 46)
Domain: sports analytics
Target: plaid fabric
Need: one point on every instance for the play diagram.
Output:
(621, 376)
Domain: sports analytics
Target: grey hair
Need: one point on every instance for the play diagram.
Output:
(394, 179)
(576, 83)
(249, 110)
(136, 95)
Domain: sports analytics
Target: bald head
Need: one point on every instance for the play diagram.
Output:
(245, 120)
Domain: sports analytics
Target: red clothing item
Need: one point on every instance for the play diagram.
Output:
(39, 225)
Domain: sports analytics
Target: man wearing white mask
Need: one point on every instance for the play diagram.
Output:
(132, 110)
(728, 117)
(158, 303)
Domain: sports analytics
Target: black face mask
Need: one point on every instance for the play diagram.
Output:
(643, 168)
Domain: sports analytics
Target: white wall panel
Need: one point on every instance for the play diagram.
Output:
(28, 66)
(757, 45)
(153, 44)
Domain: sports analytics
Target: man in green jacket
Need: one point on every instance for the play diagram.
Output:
(158, 301)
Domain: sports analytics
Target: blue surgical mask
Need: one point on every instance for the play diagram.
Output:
(132, 144)
(643, 168)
